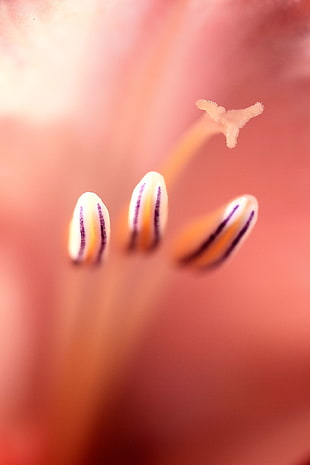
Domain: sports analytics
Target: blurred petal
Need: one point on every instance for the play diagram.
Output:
(227, 359)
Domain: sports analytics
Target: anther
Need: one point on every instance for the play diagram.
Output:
(147, 214)
(211, 240)
(89, 231)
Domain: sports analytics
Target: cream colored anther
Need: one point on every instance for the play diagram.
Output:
(89, 232)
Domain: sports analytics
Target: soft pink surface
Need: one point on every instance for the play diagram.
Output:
(90, 101)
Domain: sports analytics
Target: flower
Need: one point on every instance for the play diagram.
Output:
(93, 96)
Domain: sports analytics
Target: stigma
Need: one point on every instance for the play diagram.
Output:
(147, 213)
(89, 230)
(229, 122)
(210, 241)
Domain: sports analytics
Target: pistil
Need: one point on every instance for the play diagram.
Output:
(215, 120)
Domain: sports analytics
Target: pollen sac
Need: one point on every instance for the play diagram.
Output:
(148, 211)
(89, 231)
(211, 240)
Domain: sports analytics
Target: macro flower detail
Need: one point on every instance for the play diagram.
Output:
(148, 212)
(89, 230)
(209, 241)
(154, 358)
(204, 244)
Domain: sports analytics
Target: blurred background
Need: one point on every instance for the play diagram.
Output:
(93, 95)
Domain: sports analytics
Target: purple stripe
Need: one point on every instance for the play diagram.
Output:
(233, 245)
(157, 219)
(103, 234)
(209, 241)
(237, 239)
(134, 233)
(83, 236)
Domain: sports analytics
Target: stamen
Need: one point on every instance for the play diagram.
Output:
(216, 120)
(148, 211)
(211, 240)
(89, 231)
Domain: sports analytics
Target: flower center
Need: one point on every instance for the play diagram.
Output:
(96, 335)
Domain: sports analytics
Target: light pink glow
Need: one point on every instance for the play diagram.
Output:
(91, 97)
